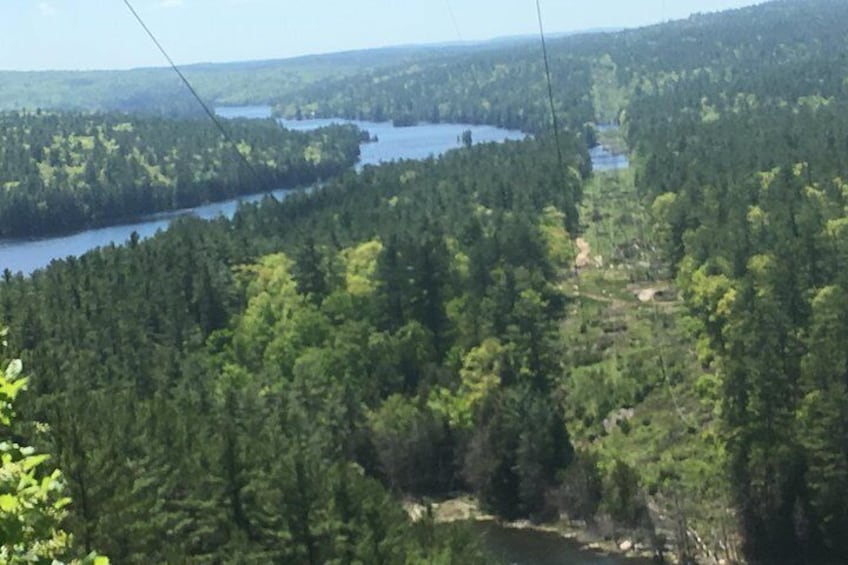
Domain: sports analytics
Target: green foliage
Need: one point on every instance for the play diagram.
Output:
(360, 265)
(252, 387)
(32, 505)
(64, 171)
(503, 86)
(519, 445)
(742, 156)
(581, 489)
(412, 447)
(608, 98)
(261, 387)
(623, 496)
(480, 376)
(559, 245)
(160, 91)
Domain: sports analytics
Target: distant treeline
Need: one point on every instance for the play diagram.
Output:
(503, 87)
(159, 91)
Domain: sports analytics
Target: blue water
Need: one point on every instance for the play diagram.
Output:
(251, 112)
(27, 255)
(512, 546)
(604, 160)
(416, 142)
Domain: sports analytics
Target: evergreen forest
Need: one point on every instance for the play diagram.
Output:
(653, 356)
(64, 171)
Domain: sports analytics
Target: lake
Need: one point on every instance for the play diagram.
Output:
(513, 546)
(416, 142)
(604, 160)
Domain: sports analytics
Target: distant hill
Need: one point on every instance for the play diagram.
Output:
(157, 90)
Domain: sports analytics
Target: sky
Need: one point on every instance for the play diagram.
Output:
(101, 34)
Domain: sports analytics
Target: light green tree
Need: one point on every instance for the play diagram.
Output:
(32, 504)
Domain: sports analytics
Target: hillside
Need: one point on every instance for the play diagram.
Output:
(654, 355)
(159, 91)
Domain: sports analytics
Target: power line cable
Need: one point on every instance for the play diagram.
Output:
(561, 162)
(263, 181)
(453, 19)
(469, 58)
(197, 97)
(550, 84)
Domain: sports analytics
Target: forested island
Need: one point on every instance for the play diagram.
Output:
(64, 171)
(656, 355)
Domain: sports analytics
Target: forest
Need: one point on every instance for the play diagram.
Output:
(64, 171)
(474, 89)
(273, 387)
(158, 91)
(259, 376)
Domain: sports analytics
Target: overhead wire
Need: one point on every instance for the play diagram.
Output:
(264, 182)
(453, 19)
(575, 248)
(227, 137)
(475, 81)
(550, 83)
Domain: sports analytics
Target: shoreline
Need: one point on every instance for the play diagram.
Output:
(466, 509)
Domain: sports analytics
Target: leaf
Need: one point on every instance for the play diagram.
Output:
(10, 389)
(94, 559)
(8, 503)
(61, 503)
(13, 371)
(34, 461)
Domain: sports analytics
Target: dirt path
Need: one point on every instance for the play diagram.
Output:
(584, 253)
(647, 294)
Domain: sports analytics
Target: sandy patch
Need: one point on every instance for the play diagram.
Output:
(647, 294)
(584, 253)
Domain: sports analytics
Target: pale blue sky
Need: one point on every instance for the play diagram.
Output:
(97, 34)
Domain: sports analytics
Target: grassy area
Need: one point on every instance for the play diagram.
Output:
(635, 390)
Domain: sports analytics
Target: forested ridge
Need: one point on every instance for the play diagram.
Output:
(268, 388)
(477, 88)
(64, 171)
(748, 200)
(736, 124)
(158, 91)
